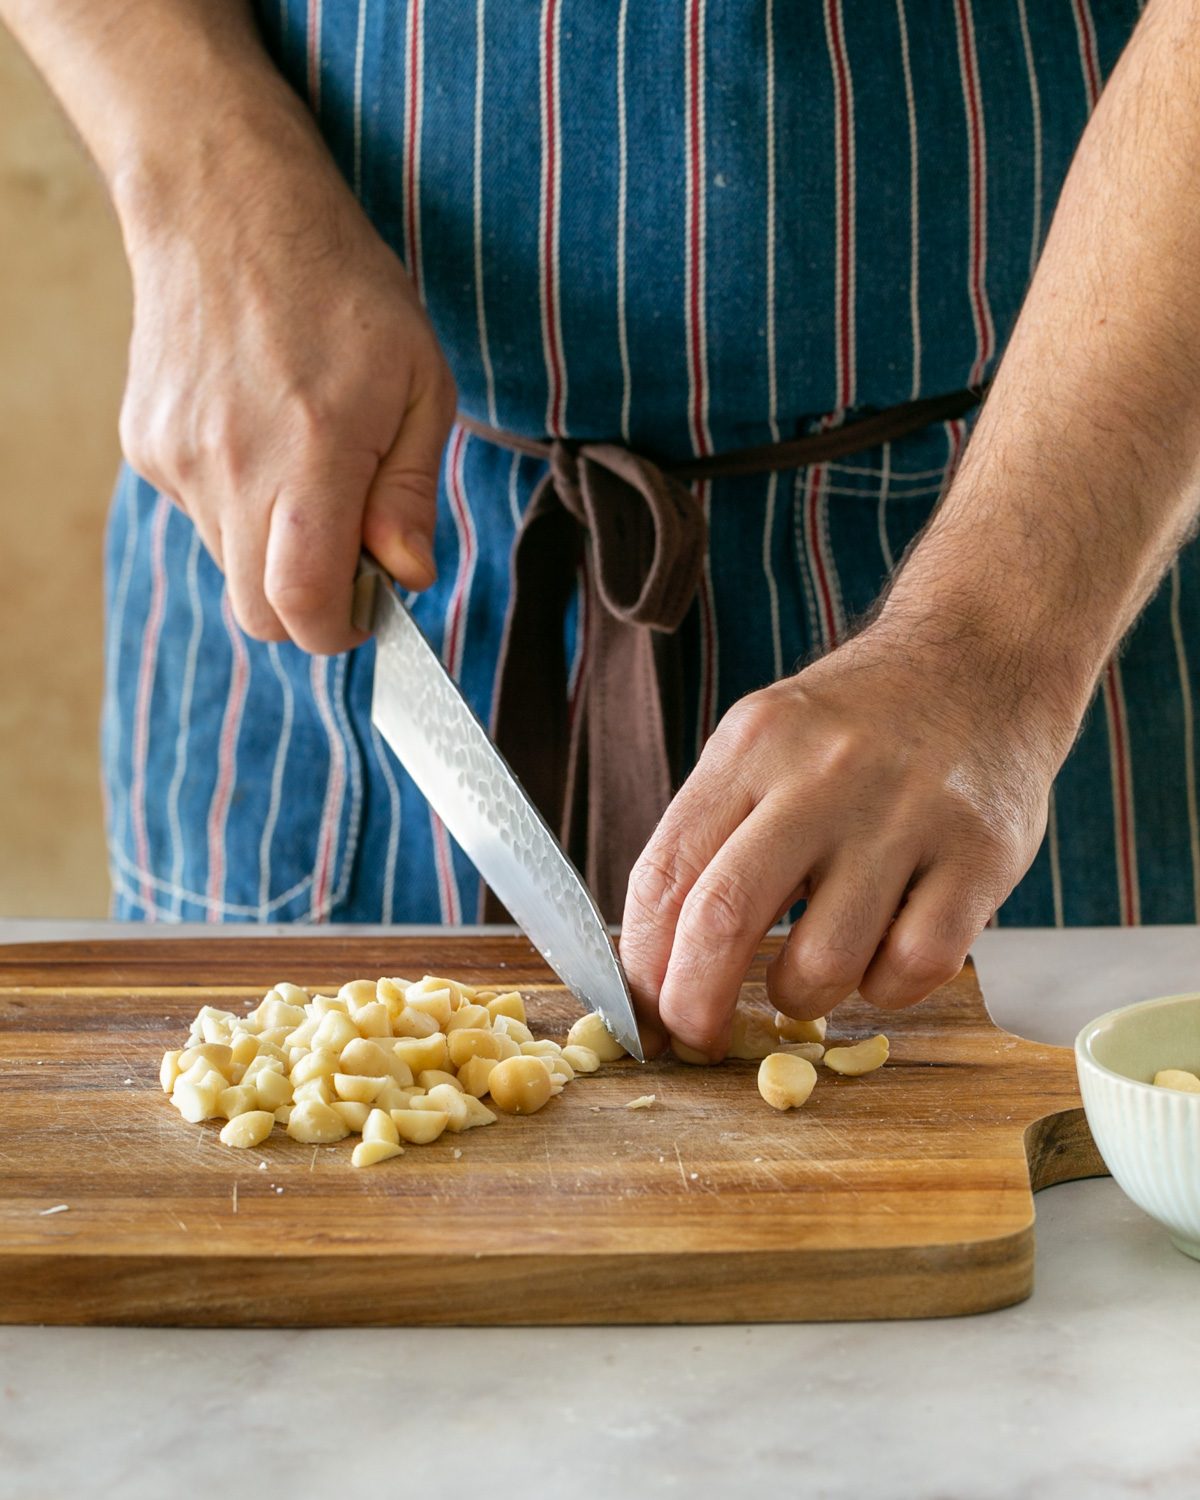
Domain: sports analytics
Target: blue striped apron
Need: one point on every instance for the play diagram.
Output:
(687, 227)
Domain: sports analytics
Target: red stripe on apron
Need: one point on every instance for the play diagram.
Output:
(218, 811)
(412, 144)
(549, 226)
(334, 790)
(145, 688)
(1088, 56)
(980, 311)
(844, 182)
(1118, 739)
(314, 54)
(456, 614)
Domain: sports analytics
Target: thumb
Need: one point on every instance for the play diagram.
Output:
(401, 509)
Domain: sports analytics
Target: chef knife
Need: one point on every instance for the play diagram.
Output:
(418, 709)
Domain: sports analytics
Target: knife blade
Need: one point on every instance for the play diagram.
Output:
(419, 710)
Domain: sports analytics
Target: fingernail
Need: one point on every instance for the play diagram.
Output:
(418, 545)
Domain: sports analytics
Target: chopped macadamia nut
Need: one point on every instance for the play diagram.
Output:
(414, 1023)
(169, 1071)
(474, 1074)
(470, 1041)
(380, 1126)
(319, 1090)
(862, 1057)
(791, 1030)
(373, 1020)
(370, 1153)
(420, 1126)
(468, 1017)
(520, 1085)
(249, 1129)
(544, 1048)
(316, 1124)
(358, 993)
(198, 1101)
(785, 1081)
(360, 1088)
(335, 1032)
(1177, 1078)
(315, 1065)
(420, 1053)
(389, 1059)
(436, 1004)
(590, 1031)
(431, 1077)
(509, 1004)
(238, 1099)
(354, 1113)
(753, 1036)
(510, 1027)
(812, 1052)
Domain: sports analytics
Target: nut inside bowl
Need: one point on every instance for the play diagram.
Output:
(1148, 1136)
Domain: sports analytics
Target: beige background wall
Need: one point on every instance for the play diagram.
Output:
(64, 313)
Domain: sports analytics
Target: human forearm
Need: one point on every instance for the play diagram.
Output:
(285, 388)
(160, 92)
(1083, 476)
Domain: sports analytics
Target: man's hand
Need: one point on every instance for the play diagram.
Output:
(285, 389)
(878, 781)
(910, 768)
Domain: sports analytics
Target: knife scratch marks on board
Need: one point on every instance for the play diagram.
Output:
(235, 1197)
(687, 1187)
(771, 1175)
(549, 1166)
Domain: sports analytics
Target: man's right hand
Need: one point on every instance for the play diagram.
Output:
(285, 387)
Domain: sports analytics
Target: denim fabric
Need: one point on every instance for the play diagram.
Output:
(687, 226)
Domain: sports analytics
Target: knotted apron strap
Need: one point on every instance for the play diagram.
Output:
(604, 778)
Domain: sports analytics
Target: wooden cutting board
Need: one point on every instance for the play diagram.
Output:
(903, 1194)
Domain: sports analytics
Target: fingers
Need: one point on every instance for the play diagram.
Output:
(242, 558)
(691, 831)
(312, 555)
(401, 509)
(721, 923)
(830, 947)
(929, 941)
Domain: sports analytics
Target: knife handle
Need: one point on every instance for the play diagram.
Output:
(366, 581)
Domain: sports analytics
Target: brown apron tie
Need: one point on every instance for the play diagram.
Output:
(604, 780)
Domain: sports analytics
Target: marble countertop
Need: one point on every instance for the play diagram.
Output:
(1091, 1388)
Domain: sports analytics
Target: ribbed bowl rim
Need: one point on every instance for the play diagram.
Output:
(1084, 1053)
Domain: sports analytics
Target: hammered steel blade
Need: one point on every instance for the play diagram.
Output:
(435, 734)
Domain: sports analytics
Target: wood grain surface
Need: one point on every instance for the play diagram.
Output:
(906, 1193)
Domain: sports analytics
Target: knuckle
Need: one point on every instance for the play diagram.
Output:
(821, 966)
(716, 911)
(144, 454)
(702, 1029)
(313, 421)
(294, 598)
(257, 620)
(924, 962)
(745, 725)
(658, 883)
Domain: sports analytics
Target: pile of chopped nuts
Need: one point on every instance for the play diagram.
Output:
(395, 1062)
(388, 1059)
